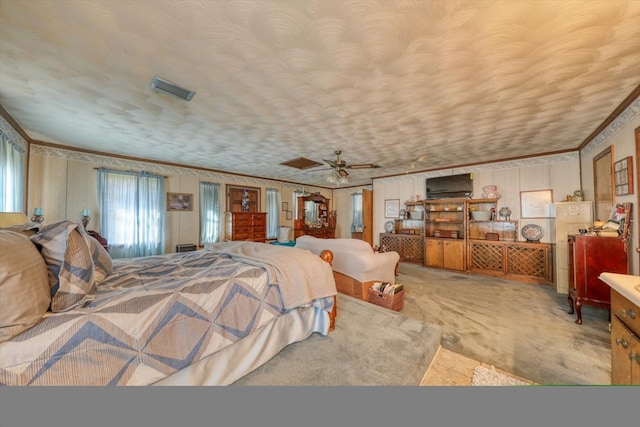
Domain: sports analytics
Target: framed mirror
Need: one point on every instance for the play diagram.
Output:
(235, 198)
(603, 184)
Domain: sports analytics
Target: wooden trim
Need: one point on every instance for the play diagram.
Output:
(349, 286)
(614, 115)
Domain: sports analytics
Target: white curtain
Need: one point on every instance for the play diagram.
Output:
(273, 213)
(11, 175)
(132, 212)
(356, 203)
(209, 212)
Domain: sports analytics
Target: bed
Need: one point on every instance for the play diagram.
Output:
(205, 317)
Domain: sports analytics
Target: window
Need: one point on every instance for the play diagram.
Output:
(11, 175)
(273, 213)
(132, 212)
(356, 206)
(209, 212)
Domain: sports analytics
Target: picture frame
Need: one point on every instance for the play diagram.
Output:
(623, 176)
(179, 202)
(285, 206)
(289, 215)
(392, 208)
(536, 203)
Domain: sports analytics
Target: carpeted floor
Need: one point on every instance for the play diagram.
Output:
(520, 328)
(517, 327)
(369, 346)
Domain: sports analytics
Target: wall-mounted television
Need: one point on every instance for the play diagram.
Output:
(450, 187)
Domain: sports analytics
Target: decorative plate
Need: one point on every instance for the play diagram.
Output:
(532, 232)
(389, 226)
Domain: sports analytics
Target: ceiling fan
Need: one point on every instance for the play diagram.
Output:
(340, 165)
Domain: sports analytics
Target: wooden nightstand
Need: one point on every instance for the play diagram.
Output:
(99, 238)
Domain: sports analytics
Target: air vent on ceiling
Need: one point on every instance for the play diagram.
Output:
(164, 86)
(301, 163)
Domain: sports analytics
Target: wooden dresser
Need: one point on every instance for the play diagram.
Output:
(625, 327)
(250, 226)
(625, 340)
(588, 257)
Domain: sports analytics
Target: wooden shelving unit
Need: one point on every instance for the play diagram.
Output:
(445, 233)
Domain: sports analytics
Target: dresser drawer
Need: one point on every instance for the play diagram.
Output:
(242, 222)
(259, 220)
(626, 311)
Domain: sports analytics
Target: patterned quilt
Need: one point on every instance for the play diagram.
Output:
(152, 317)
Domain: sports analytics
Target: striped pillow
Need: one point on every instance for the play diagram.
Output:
(102, 263)
(69, 265)
(23, 284)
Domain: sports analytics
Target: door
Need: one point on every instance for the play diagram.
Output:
(367, 216)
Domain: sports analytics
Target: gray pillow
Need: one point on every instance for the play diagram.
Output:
(69, 263)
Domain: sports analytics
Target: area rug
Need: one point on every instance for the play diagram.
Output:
(483, 376)
(370, 345)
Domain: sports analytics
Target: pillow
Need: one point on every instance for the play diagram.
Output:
(24, 286)
(28, 229)
(102, 263)
(69, 264)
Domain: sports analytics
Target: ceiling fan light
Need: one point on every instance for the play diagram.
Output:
(336, 178)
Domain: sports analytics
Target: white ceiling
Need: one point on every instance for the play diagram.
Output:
(409, 85)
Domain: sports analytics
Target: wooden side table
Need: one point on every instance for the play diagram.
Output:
(99, 238)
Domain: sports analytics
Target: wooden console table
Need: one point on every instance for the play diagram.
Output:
(410, 247)
(522, 261)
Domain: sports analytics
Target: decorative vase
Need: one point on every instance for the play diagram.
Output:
(246, 201)
(505, 212)
(490, 192)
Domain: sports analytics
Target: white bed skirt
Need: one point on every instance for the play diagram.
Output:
(240, 358)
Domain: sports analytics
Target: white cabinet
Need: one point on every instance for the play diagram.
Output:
(570, 217)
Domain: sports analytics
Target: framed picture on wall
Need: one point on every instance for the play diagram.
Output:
(392, 208)
(179, 202)
(623, 176)
(536, 204)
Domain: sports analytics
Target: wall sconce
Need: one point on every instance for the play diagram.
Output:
(86, 217)
(38, 215)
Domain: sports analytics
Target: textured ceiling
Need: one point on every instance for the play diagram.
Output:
(408, 85)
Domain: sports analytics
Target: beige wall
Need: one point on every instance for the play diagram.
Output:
(560, 173)
(64, 182)
(622, 140)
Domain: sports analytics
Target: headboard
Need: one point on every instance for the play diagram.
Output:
(12, 218)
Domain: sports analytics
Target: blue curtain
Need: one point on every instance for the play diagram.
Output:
(11, 175)
(356, 203)
(132, 212)
(273, 213)
(209, 212)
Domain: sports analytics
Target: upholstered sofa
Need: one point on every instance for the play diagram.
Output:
(355, 265)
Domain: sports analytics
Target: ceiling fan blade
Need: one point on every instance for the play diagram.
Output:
(363, 166)
(331, 163)
(343, 173)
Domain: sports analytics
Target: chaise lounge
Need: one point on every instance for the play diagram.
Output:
(355, 264)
